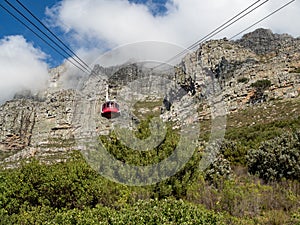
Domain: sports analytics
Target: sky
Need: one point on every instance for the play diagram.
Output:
(93, 27)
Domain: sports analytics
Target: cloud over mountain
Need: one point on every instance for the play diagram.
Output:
(108, 23)
(21, 67)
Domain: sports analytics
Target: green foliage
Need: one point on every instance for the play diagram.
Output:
(243, 80)
(72, 193)
(233, 151)
(66, 185)
(125, 154)
(219, 169)
(245, 197)
(252, 136)
(173, 186)
(177, 185)
(276, 159)
(166, 211)
(295, 218)
(261, 84)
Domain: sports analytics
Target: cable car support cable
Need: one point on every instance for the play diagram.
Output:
(26, 18)
(45, 41)
(222, 27)
(54, 35)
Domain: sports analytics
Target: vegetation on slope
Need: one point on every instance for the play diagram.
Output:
(238, 188)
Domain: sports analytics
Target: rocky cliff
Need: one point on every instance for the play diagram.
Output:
(259, 67)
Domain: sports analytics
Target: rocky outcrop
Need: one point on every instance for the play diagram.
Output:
(264, 42)
(236, 67)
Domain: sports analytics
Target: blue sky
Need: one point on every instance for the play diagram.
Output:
(159, 6)
(10, 26)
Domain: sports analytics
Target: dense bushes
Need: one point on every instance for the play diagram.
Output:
(276, 159)
(176, 185)
(166, 211)
(68, 185)
(122, 152)
(247, 197)
(73, 193)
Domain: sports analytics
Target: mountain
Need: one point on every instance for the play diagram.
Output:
(258, 70)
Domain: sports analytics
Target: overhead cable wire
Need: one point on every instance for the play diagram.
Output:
(28, 20)
(219, 29)
(54, 35)
(223, 27)
(45, 41)
(264, 18)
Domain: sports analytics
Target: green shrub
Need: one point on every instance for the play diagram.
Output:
(219, 169)
(141, 158)
(166, 211)
(243, 80)
(276, 159)
(261, 84)
(295, 220)
(73, 193)
(66, 185)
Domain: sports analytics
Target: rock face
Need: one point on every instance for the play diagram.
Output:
(238, 67)
(17, 122)
(259, 67)
(263, 41)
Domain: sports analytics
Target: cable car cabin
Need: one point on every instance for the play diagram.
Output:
(110, 109)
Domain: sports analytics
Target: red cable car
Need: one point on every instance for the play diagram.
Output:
(110, 109)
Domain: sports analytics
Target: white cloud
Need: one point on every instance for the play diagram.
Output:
(285, 21)
(111, 23)
(21, 67)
